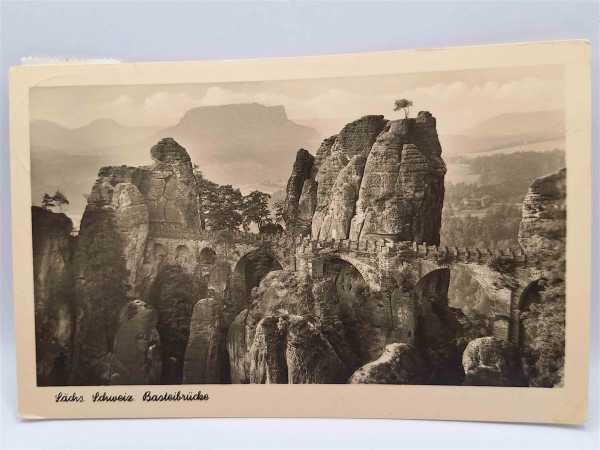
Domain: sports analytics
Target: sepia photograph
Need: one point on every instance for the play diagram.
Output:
(396, 228)
(403, 229)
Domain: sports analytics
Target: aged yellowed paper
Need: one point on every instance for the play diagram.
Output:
(387, 235)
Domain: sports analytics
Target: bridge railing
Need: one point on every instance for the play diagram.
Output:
(367, 247)
(440, 254)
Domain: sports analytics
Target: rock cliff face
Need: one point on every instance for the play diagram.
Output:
(137, 346)
(375, 179)
(127, 205)
(399, 364)
(99, 294)
(174, 296)
(542, 306)
(53, 285)
(169, 187)
(536, 357)
(298, 214)
(290, 333)
(205, 355)
(303, 330)
(543, 224)
(437, 329)
(488, 361)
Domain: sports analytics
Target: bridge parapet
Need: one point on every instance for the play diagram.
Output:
(368, 248)
(468, 255)
(414, 250)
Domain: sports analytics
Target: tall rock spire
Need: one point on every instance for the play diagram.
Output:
(376, 178)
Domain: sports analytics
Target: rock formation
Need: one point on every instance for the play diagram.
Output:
(289, 334)
(543, 226)
(352, 143)
(144, 295)
(542, 307)
(536, 355)
(297, 214)
(267, 354)
(54, 323)
(303, 330)
(488, 361)
(174, 298)
(125, 206)
(170, 188)
(137, 345)
(376, 178)
(205, 354)
(436, 328)
(402, 192)
(99, 294)
(398, 364)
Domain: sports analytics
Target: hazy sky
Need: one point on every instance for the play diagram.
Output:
(458, 99)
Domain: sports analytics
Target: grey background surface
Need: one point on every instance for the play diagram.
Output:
(142, 31)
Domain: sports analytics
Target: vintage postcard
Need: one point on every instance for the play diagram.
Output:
(392, 235)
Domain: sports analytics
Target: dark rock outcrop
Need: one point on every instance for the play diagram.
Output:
(542, 306)
(137, 346)
(289, 335)
(437, 329)
(311, 358)
(267, 354)
(126, 206)
(398, 364)
(300, 330)
(298, 215)
(542, 337)
(489, 361)
(173, 296)
(205, 355)
(99, 294)
(53, 294)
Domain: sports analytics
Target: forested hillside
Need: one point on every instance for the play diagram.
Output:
(486, 213)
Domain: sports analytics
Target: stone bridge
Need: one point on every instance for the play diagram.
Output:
(505, 276)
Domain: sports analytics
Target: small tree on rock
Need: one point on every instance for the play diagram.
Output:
(47, 201)
(403, 104)
(58, 200)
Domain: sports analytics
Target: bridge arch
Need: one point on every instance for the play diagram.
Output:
(370, 274)
(531, 294)
(253, 266)
(207, 256)
(429, 304)
(524, 299)
(479, 292)
(365, 311)
(349, 280)
(435, 327)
